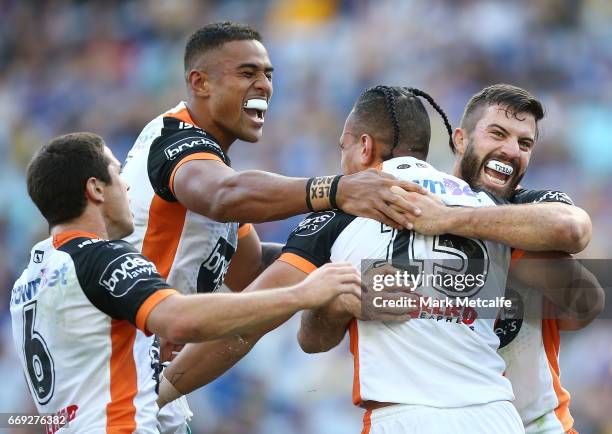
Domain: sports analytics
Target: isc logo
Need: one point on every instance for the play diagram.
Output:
(175, 149)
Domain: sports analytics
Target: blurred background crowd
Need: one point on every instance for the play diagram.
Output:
(111, 66)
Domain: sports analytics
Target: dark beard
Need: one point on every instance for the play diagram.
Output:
(470, 167)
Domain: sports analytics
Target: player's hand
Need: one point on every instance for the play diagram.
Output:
(326, 283)
(434, 217)
(391, 293)
(168, 350)
(368, 194)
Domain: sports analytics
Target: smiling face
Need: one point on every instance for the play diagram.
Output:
(236, 72)
(495, 155)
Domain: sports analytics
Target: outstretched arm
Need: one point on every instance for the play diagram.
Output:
(200, 317)
(533, 227)
(211, 188)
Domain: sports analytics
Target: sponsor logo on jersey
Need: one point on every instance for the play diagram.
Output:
(450, 313)
(314, 224)
(510, 321)
(124, 272)
(38, 256)
(404, 166)
(27, 291)
(213, 269)
(445, 186)
(177, 148)
(554, 196)
(89, 242)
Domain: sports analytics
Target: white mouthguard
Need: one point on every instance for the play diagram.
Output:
(500, 167)
(257, 104)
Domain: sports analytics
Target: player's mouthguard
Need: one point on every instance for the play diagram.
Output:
(256, 104)
(500, 167)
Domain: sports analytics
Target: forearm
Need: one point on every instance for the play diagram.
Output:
(255, 196)
(322, 329)
(199, 364)
(574, 291)
(534, 227)
(211, 316)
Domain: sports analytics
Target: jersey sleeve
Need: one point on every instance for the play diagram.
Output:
(309, 244)
(536, 196)
(117, 279)
(174, 147)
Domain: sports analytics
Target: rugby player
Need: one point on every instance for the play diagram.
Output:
(84, 309)
(190, 368)
(529, 345)
(187, 200)
(493, 147)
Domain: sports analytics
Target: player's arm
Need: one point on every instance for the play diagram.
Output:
(572, 290)
(215, 190)
(324, 328)
(199, 364)
(534, 227)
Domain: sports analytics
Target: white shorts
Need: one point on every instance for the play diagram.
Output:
(495, 417)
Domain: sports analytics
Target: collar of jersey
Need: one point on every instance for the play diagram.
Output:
(63, 237)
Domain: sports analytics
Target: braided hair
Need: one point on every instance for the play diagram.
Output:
(435, 105)
(397, 117)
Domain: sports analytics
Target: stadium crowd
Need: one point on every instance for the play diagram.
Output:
(109, 67)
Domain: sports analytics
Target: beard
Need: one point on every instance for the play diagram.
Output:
(471, 167)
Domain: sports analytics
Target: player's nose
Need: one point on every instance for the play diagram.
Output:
(510, 149)
(264, 85)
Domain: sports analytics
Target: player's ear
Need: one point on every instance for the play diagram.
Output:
(199, 83)
(94, 190)
(367, 150)
(460, 140)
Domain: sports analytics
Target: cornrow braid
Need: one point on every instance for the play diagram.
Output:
(390, 102)
(435, 105)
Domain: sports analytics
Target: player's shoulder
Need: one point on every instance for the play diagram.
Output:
(323, 222)
(314, 237)
(114, 265)
(179, 134)
(523, 195)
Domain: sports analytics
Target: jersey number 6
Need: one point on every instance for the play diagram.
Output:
(37, 357)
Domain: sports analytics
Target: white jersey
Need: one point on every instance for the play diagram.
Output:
(445, 357)
(190, 250)
(530, 345)
(78, 313)
(530, 348)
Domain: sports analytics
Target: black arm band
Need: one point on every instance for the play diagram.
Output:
(308, 202)
(333, 190)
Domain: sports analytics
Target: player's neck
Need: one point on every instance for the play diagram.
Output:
(457, 169)
(202, 119)
(90, 222)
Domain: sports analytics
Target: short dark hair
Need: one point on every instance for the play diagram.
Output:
(214, 35)
(58, 173)
(397, 117)
(514, 99)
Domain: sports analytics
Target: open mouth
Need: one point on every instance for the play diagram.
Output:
(498, 173)
(256, 109)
